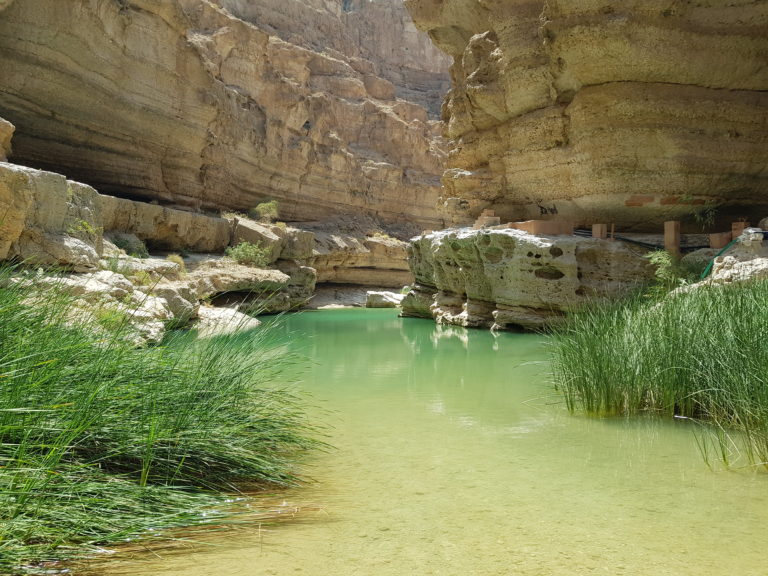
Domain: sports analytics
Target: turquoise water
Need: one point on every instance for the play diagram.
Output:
(454, 456)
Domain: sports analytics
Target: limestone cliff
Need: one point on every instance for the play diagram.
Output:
(509, 278)
(631, 111)
(377, 37)
(181, 103)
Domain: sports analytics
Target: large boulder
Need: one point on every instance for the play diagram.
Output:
(165, 228)
(383, 299)
(506, 278)
(48, 220)
(214, 321)
(266, 236)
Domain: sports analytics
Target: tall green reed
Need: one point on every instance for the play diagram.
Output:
(700, 354)
(100, 441)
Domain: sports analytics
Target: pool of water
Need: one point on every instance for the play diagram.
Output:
(454, 456)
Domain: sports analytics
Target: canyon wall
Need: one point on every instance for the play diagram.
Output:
(631, 111)
(181, 103)
(378, 35)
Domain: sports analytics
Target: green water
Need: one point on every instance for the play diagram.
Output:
(455, 457)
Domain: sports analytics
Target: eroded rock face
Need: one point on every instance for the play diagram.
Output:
(364, 261)
(630, 111)
(181, 103)
(48, 220)
(51, 221)
(507, 278)
(378, 39)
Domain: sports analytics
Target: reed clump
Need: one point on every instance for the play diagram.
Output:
(101, 442)
(699, 354)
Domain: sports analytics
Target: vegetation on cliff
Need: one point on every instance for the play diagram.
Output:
(699, 354)
(101, 442)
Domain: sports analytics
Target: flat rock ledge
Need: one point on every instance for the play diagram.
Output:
(509, 279)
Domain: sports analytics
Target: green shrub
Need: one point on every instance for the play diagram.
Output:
(132, 245)
(84, 230)
(266, 211)
(249, 254)
(141, 278)
(671, 273)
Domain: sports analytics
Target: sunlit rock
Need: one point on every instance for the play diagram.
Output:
(383, 299)
(506, 278)
(630, 112)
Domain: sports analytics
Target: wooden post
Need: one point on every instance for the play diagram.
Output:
(719, 240)
(672, 238)
(600, 231)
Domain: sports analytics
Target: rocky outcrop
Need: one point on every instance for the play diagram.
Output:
(108, 301)
(630, 111)
(509, 278)
(141, 307)
(51, 221)
(6, 133)
(216, 321)
(364, 261)
(747, 259)
(181, 103)
(337, 257)
(378, 39)
(383, 299)
(254, 290)
(48, 220)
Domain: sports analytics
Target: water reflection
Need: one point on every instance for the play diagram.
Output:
(454, 457)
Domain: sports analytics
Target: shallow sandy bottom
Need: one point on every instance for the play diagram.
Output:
(455, 457)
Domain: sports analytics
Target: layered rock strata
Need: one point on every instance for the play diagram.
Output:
(181, 103)
(363, 261)
(49, 221)
(378, 38)
(507, 278)
(632, 111)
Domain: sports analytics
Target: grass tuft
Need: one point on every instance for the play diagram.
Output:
(700, 354)
(100, 442)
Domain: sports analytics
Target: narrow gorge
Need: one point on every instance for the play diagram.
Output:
(559, 206)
